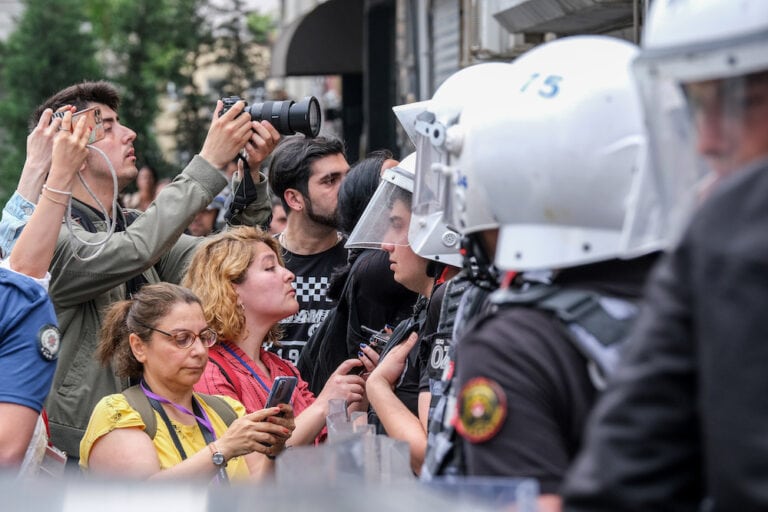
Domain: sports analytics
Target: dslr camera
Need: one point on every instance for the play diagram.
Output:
(288, 117)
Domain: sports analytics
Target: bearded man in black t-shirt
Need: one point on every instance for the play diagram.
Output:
(306, 174)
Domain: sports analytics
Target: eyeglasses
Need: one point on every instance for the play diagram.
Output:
(185, 339)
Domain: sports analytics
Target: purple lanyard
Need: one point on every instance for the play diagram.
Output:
(203, 420)
(247, 367)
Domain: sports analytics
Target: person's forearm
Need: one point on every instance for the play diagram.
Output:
(308, 424)
(251, 204)
(34, 250)
(31, 181)
(199, 465)
(17, 424)
(399, 422)
(259, 465)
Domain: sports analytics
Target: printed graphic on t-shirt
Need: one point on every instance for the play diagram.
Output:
(312, 277)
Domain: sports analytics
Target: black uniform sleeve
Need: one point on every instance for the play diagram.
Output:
(686, 416)
(641, 440)
(546, 396)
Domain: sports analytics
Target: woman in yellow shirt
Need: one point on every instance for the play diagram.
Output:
(154, 339)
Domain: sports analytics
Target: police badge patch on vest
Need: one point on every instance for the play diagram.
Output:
(481, 408)
(49, 341)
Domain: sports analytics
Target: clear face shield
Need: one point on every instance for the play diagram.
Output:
(387, 217)
(707, 118)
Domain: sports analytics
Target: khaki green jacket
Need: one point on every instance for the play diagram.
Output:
(153, 245)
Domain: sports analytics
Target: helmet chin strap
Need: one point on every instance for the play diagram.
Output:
(434, 269)
(477, 264)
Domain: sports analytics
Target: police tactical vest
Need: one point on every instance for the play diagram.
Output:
(599, 326)
(463, 303)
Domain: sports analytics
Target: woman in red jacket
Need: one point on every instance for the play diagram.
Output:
(246, 291)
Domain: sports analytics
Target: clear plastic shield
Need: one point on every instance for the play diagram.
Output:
(701, 128)
(387, 217)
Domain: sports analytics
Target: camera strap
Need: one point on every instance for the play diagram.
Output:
(246, 193)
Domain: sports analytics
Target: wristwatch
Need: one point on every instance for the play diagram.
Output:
(218, 458)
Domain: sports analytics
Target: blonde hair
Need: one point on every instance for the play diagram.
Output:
(219, 263)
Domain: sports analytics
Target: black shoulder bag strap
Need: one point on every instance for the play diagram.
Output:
(208, 436)
(135, 283)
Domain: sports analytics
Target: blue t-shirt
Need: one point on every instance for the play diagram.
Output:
(29, 341)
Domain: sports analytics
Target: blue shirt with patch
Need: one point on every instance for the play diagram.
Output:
(25, 372)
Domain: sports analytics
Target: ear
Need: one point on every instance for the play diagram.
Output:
(294, 199)
(138, 347)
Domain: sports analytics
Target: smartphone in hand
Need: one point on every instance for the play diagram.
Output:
(93, 120)
(281, 392)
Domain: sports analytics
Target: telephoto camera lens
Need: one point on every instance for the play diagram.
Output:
(288, 117)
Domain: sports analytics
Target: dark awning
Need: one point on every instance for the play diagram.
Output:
(328, 40)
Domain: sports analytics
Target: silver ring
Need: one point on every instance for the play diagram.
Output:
(62, 128)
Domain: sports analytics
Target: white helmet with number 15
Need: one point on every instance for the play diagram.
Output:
(560, 160)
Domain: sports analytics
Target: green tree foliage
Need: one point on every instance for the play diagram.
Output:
(149, 44)
(147, 48)
(230, 46)
(52, 47)
(261, 27)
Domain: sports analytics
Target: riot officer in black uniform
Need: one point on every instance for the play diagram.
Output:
(556, 163)
(683, 424)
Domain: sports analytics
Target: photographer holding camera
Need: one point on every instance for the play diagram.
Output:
(138, 249)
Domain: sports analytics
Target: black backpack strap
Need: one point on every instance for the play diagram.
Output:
(82, 218)
(220, 406)
(140, 403)
(584, 308)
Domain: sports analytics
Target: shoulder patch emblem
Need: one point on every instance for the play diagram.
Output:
(49, 341)
(482, 408)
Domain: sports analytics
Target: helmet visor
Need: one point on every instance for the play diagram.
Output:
(704, 116)
(387, 217)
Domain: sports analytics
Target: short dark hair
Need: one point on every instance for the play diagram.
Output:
(80, 96)
(292, 160)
